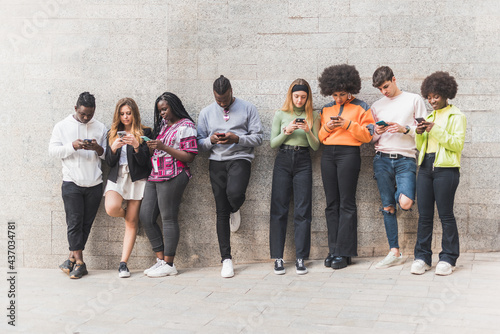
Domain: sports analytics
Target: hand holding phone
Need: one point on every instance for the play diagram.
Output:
(382, 123)
(420, 120)
(220, 134)
(87, 141)
(299, 120)
(121, 134)
(334, 118)
(145, 138)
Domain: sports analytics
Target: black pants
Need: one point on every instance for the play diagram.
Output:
(163, 198)
(437, 185)
(340, 167)
(229, 183)
(292, 172)
(81, 205)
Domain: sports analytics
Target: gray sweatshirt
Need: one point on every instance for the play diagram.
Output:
(243, 121)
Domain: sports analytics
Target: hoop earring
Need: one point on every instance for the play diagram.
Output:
(349, 96)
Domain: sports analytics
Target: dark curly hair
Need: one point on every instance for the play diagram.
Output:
(441, 83)
(339, 78)
(86, 99)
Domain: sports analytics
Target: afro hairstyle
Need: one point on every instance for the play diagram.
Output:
(339, 78)
(441, 83)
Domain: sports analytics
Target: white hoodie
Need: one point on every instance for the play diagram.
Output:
(83, 167)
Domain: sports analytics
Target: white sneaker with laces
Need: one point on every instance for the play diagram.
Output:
(234, 221)
(390, 260)
(227, 268)
(419, 267)
(159, 262)
(164, 270)
(444, 268)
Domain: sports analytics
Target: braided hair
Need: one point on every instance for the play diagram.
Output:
(221, 85)
(86, 99)
(176, 107)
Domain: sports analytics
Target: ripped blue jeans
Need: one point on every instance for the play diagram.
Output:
(394, 177)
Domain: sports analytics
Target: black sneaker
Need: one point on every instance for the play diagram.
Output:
(300, 268)
(279, 269)
(123, 271)
(79, 270)
(67, 266)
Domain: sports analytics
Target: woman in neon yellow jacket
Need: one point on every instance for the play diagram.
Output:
(440, 140)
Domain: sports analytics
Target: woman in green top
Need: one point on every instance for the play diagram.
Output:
(440, 140)
(295, 129)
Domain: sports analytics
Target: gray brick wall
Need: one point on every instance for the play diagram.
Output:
(51, 50)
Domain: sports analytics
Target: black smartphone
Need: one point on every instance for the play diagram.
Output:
(420, 120)
(299, 120)
(334, 118)
(87, 141)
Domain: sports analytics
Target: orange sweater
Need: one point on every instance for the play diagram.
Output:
(357, 115)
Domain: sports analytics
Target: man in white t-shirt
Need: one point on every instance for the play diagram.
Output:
(394, 164)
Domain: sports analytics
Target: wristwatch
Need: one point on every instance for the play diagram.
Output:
(407, 130)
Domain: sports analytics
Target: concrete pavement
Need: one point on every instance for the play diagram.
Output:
(358, 299)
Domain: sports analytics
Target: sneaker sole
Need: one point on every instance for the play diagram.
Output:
(279, 272)
(65, 270)
(301, 272)
(124, 275)
(162, 275)
(227, 276)
(445, 273)
(385, 266)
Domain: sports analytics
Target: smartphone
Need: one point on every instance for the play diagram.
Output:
(220, 134)
(334, 118)
(145, 138)
(87, 141)
(420, 119)
(299, 120)
(382, 123)
(122, 133)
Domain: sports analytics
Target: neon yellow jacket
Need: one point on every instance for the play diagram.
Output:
(450, 139)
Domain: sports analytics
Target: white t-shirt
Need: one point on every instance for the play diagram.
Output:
(401, 109)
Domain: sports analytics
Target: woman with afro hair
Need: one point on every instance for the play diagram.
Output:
(344, 127)
(440, 140)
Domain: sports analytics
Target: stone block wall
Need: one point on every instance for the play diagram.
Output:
(52, 50)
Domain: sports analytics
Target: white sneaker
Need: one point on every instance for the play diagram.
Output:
(390, 260)
(227, 268)
(164, 270)
(234, 221)
(419, 267)
(159, 262)
(444, 268)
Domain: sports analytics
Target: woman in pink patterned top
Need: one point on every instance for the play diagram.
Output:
(175, 146)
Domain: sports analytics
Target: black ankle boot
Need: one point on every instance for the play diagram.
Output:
(328, 260)
(340, 262)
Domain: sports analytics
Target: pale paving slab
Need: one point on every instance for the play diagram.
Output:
(358, 299)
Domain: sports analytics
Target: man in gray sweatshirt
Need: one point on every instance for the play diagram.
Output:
(230, 129)
(79, 141)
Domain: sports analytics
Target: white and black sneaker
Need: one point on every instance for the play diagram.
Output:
(300, 268)
(123, 271)
(279, 269)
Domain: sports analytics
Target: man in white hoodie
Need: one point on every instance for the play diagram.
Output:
(79, 141)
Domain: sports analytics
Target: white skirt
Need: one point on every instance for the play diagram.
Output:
(125, 187)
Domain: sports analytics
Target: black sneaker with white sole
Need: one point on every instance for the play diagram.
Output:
(279, 269)
(300, 268)
(123, 271)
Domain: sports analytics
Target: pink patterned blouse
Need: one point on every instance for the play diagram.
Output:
(181, 136)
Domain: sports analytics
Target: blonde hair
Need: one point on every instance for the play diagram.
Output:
(117, 125)
(288, 105)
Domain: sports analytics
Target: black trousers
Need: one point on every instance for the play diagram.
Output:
(81, 205)
(340, 167)
(229, 183)
(437, 185)
(292, 173)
